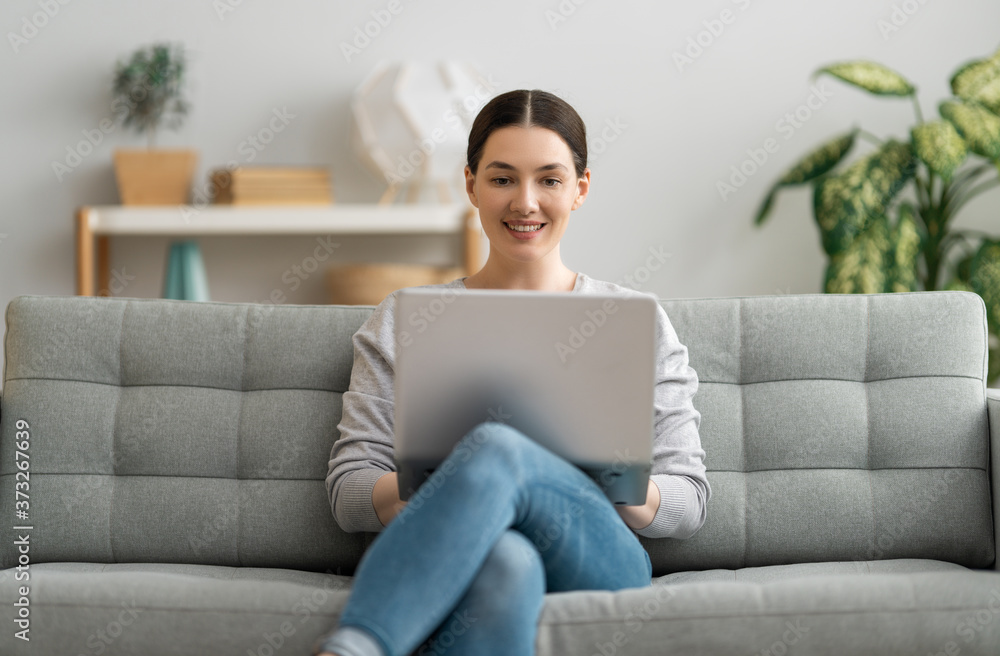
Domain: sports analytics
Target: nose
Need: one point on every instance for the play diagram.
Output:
(524, 201)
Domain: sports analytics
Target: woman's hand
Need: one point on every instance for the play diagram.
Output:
(639, 517)
(385, 498)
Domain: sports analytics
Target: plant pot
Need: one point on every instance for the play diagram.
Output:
(154, 177)
(369, 284)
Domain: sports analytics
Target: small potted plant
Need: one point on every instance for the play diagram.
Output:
(147, 96)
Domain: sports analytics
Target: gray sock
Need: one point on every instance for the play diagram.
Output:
(349, 641)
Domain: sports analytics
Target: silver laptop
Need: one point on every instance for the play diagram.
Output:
(572, 371)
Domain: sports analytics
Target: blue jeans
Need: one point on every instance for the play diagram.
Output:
(467, 562)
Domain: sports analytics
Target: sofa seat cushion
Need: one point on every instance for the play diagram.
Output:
(943, 610)
(913, 606)
(158, 608)
(796, 570)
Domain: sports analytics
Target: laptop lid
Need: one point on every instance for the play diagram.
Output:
(572, 371)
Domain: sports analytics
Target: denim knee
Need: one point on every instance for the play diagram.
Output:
(499, 439)
(512, 578)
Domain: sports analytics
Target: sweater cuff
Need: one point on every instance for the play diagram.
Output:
(673, 506)
(355, 511)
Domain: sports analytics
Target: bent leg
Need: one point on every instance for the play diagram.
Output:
(422, 564)
(499, 613)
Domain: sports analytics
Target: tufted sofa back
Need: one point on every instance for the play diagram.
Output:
(836, 428)
(178, 431)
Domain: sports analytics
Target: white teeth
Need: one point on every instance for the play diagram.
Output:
(524, 228)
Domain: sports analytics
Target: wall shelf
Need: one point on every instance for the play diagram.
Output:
(98, 223)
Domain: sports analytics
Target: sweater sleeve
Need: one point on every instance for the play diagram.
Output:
(364, 451)
(678, 468)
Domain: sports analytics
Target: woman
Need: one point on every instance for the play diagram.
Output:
(470, 566)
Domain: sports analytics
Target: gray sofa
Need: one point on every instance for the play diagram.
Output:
(176, 453)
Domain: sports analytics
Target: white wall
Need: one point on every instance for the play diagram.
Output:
(654, 186)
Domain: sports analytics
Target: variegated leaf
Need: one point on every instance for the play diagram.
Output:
(985, 278)
(906, 239)
(985, 281)
(979, 81)
(844, 203)
(873, 78)
(860, 268)
(978, 126)
(939, 145)
(810, 167)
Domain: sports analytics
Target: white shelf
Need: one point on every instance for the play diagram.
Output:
(95, 224)
(276, 219)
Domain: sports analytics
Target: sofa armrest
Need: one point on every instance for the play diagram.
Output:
(993, 413)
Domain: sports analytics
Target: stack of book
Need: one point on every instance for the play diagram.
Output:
(284, 185)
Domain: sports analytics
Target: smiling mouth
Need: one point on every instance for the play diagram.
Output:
(531, 227)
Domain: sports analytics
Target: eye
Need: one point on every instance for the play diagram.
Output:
(551, 182)
(501, 181)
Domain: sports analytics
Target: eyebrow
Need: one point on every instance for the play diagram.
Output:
(496, 164)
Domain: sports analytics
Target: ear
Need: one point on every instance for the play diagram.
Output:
(582, 189)
(470, 187)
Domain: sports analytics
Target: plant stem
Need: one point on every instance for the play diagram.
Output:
(916, 107)
(935, 221)
(964, 178)
(957, 202)
(868, 136)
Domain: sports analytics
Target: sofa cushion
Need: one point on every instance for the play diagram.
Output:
(179, 609)
(836, 427)
(173, 431)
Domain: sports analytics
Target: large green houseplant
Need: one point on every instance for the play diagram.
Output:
(885, 219)
(148, 95)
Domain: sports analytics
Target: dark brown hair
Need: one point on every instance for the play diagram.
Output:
(526, 109)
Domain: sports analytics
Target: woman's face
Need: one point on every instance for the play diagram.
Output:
(526, 180)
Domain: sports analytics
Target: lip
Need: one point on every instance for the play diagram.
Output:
(524, 236)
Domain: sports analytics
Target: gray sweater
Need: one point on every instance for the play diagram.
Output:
(364, 451)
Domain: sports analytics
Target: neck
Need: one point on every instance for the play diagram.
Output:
(549, 274)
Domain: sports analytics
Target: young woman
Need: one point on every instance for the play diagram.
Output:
(467, 570)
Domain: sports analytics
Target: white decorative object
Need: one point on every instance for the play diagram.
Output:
(411, 125)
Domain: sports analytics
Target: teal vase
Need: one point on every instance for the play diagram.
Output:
(185, 279)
